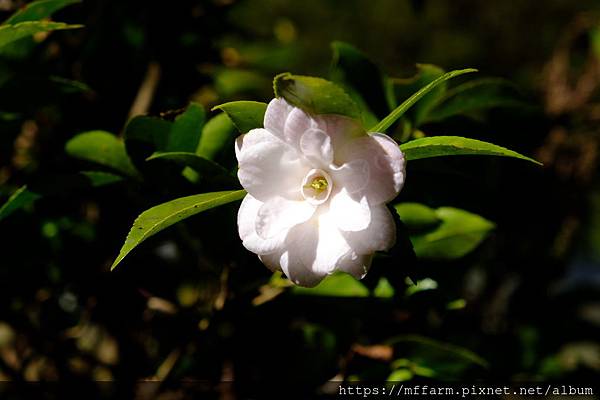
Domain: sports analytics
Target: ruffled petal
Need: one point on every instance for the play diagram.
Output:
(349, 214)
(279, 214)
(355, 264)
(315, 144)
(353, 175)
(296, 124)
(300, 253)
(269, 167)
(246, 226)
(386, 166)
(341, 129)
(380, 235)
(275, 116)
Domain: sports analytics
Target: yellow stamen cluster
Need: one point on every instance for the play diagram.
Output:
(319, 184)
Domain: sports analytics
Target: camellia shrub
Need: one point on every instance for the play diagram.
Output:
(314, 179)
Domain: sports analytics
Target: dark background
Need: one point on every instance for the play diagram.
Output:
(180, 309)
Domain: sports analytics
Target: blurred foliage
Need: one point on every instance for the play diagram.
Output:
(103, 122)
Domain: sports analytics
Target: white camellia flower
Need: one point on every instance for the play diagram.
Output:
(317, 187)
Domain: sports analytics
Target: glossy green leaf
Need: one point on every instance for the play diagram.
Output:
(245, 115)
(475, 95)
(102, 148)
(404, 88)
(144, 136)
(37, 10)
(437, 146)
(186, 129)
(100, 178)
(458, 234)
(385, 123)
(315, 95)
(338, 284)
(157, 218)
(353, 68)
(217, 136)
(417, 216)
(12, 33)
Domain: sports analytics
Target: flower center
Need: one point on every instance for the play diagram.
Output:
(316, 186)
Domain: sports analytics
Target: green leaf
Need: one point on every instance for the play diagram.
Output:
(353, 68)
(202, 165)
(417, 216)
(37, 10)
(315, 95)
(458, 234)
(145, 135)
(12, 33)
(385, 123)
(19, 199)
(404, 88)
(218, 134)
(475, 95)
(437, 146)
(102, 148)
(100, 178)
(185, 131)
(245, 115)
(157, 218)
(338, 284)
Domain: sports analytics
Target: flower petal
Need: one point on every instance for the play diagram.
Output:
(353, 175)
(341, 129)
(380, 235)
(279, 214)
(275, 116)
(348, 213)
(316, 147)
(269, 167)
(386, 166)
(296, 124)
(301, 251)
(246, 226)
(355, 264)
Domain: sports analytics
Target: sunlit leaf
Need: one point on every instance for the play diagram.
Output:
(337, 285)
(417, 216)
(459, 233)
(102, 148)
(157, 218)
(12, 33)
(217, 136)
(437, 146)
(315, 95)
(245, 115)
(385, 123)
